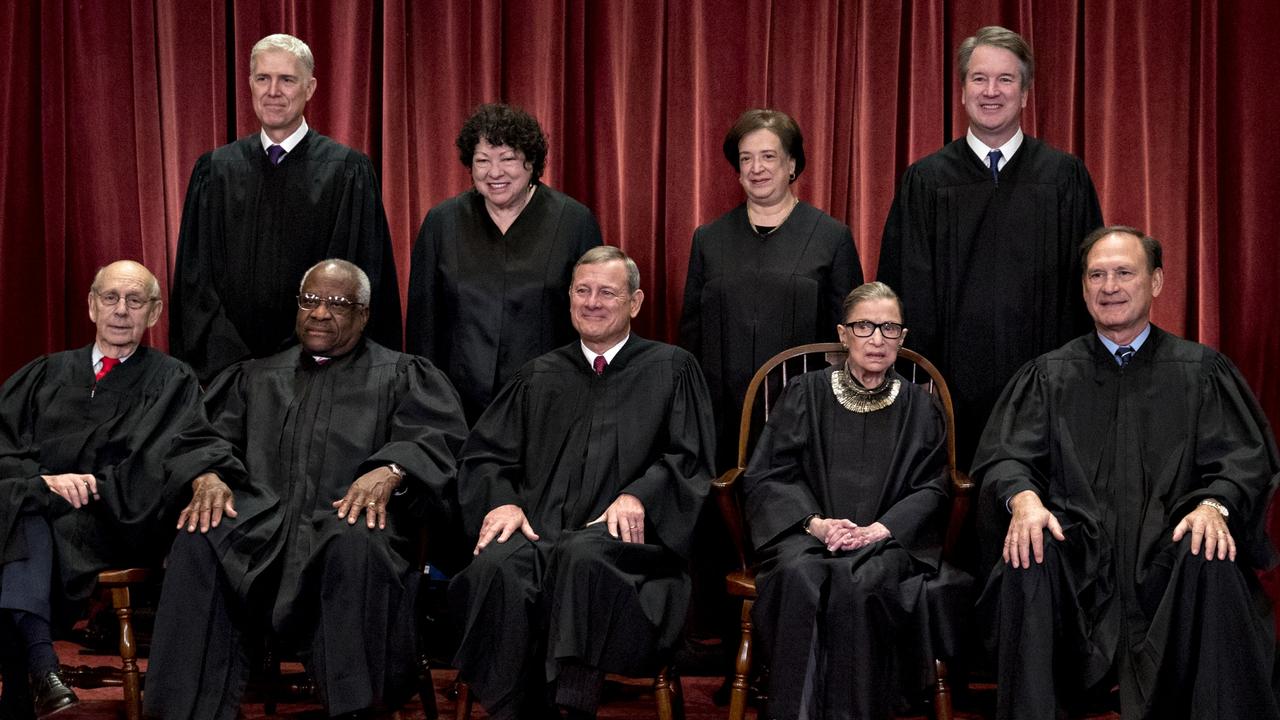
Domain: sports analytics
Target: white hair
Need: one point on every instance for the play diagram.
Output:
(286, 43)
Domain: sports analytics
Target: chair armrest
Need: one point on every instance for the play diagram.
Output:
(726, 491)
(962, 488)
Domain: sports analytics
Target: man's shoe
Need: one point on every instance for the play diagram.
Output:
(52, 694)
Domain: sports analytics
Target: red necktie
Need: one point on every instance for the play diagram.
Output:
(599, 364)
(107, 364)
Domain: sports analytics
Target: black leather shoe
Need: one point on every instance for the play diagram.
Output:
(52, 694)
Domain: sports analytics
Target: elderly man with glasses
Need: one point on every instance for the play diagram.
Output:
(84, 435)
(321, 464)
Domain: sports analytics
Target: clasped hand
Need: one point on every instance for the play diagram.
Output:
(844, 534)
(75, 488)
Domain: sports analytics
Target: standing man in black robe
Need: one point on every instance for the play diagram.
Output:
(262, 210)
(1137, 468)
(84, 436)
(327, 459)
(981, 239)
(582, 482)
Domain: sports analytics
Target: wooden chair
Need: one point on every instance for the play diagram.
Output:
(667, 692)
(119, 583)
(766, 386)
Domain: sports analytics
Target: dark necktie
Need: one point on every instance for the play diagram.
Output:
(599, 364)
(107, 364)
(275, 153)
(1125, 354)
(993, 159)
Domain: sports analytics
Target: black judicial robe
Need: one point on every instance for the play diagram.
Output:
(888, 466)
(483, 303)
(300, 434)
(54, 418)
(989, 275)
(748, 297)
(249, 231)
(1120, 456)
(563, 443)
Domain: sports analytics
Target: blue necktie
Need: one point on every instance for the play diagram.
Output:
(275, 154)
(993, 159)
(1125, 354)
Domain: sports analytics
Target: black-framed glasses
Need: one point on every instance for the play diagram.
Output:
(338, 305)
(866, 328)
(111, 299)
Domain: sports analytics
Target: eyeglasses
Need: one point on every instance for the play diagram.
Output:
(111, 299)
(338, 305)
(866, 328)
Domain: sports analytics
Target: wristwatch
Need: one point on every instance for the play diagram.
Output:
(805, 524)
(396, 470)
(1217, 506)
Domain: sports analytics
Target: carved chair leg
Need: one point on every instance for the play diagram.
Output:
(941, 692)
(677, 696)
(462, 708)
(662, 693)
(741, 667)
(427, 689)
(131, 678)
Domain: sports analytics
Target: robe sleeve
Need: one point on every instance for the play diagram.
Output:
(423, 322)
(492, 468)
(674, 487)
(1081, 211)
(366, 229)
(846, 274)
(18, 454)
(917, 519)
(199, 331)
(215, 441)
(1014, 454)
(426, 433)
(907, 259)
(775, 488)
(691, 310)
(1236, 457)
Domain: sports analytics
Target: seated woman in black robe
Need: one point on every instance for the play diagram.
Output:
(845, 500)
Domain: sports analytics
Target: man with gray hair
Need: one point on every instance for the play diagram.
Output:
(261, 210)
(980, 241)
(84, 438)
(580, 485)
(320, 465)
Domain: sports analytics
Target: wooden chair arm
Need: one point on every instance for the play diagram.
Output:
(726, 493)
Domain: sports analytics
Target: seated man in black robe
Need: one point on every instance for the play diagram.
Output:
(84, 435)
(308, 508)
(1137, 468)
(263, 209)
(582, 482)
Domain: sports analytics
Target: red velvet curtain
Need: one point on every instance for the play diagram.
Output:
(108, 104)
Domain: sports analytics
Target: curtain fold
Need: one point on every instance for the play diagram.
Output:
(1171, 106)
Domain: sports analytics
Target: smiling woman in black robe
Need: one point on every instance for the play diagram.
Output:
(845, 499)
(489, 284)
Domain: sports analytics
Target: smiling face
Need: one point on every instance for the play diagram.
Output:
(501, 175)
(764, 168)
(1119, 287)
(994, 94)
(871, 357)
(281, 87)
(327, 330)
(600, 305)
(120, 328)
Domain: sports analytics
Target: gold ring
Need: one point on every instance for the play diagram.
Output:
(372, 503)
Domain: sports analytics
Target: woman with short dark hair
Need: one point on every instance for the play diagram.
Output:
(489, 281)
(766, 276)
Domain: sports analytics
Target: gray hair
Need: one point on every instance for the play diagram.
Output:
(286, 43)
(1003, 38)
(363, 289)
(609, 253)
(870, 291)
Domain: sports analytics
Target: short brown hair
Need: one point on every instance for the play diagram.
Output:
(999, 37)
(775, 121)
(1150, 246)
